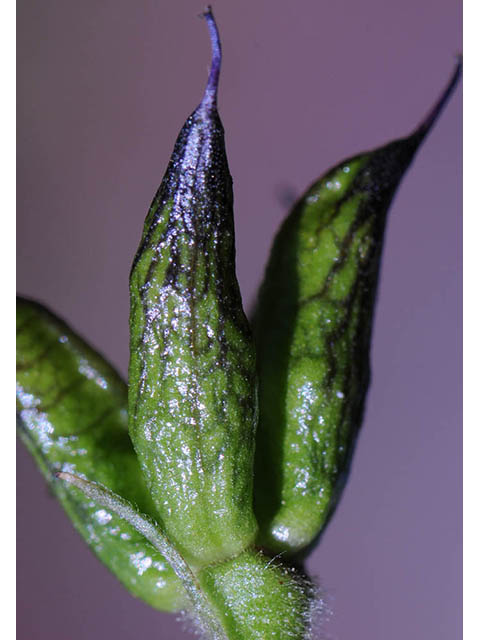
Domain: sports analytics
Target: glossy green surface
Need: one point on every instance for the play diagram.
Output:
(192, 378)
(72, 417)
(197, 602)
(313, 326)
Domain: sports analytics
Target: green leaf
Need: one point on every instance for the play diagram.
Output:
(192, 377)
(72, 417)
(312, 327)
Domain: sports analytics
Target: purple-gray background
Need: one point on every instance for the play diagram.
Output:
(103, 89)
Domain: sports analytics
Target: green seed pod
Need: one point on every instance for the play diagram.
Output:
(312, 327)
(72, 416)
(192, 378)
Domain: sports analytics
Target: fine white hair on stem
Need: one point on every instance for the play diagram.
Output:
(106, 498)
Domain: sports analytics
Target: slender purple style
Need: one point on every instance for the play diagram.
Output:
(210, 97)
(430, 119)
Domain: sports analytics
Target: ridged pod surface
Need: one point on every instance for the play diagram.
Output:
(192, 378)
(312, 327)
(72, 416)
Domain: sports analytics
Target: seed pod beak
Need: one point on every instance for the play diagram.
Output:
(437, 109)
(210, 96)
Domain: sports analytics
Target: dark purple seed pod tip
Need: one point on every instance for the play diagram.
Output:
(210, 97)
(437, 109)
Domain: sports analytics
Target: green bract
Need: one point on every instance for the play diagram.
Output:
(176, 522)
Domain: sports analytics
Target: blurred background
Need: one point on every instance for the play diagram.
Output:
(103, 89)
